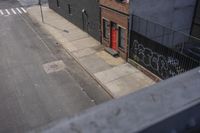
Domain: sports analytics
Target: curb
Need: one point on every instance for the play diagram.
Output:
(91, 74)
(76, 59)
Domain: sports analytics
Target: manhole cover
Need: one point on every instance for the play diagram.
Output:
(54, 66)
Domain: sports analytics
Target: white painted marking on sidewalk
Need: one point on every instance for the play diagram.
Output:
(1, 12)
(19, 10)
(23, 10)
(8, 13)
(13, 11)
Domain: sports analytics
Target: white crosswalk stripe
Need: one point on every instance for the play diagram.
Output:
(19, 10)
(23, 10)
(12, 11)
(1, 12)
(8, 13)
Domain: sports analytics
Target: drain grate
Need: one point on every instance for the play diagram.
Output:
(54, 66)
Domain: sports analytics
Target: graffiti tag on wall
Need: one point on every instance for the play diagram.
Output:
(164, 66)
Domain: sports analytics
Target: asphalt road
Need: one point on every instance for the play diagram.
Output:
(30, 2)
(15, 3)
(9, 3)
(30, 97)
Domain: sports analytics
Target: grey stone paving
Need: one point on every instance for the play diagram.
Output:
(30, 97)
(117, 77)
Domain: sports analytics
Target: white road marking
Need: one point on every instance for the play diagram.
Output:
(1, 12)
(7, 11)
(10, 11)
(13, 11)
(19, 10)
(23, 10)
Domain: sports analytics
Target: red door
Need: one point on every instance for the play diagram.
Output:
(114, 38)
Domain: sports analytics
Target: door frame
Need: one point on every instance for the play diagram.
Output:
(113, 25)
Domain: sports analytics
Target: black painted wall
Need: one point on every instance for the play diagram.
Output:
(88, 21)
(196, 22)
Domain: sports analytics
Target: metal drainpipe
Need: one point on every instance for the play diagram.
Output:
(194, 15)
(130, 26)
(84, 13)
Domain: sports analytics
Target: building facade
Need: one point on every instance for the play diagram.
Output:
(83, 13)
(196, 21)
(114, 25)
(155, 34)
(160, 42)
(173, 14)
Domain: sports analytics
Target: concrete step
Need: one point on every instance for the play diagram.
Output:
(111, 51)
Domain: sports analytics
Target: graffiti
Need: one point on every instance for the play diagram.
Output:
(164, 66)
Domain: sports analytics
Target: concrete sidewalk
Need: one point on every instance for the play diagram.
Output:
(114, 74)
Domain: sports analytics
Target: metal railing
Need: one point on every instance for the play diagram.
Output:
(171, 38)
(162, 50)
(166, 107)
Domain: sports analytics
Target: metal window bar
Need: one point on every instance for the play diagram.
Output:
(162, 35)
(169, 46)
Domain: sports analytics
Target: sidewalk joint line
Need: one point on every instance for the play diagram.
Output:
(92, 100)
(77, 61)
(77, 39)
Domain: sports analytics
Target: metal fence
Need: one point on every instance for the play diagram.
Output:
(162, 50)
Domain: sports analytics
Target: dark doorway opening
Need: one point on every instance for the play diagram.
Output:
(113, 36)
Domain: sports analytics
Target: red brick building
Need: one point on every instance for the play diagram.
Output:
(114, 25)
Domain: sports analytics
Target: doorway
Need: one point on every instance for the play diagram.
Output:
(113, 36)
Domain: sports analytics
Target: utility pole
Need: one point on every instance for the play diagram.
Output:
(40, 3)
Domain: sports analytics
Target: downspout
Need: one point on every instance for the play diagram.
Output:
(84, 13)
(130, 26)
(194, 15)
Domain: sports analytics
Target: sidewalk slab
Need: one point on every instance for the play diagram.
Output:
(89, 40)
(128, 84)
(109, 58)
(75, 35)
(84, 43)
(94, 64)
(84, 52)
(123, 79)
(114, 74)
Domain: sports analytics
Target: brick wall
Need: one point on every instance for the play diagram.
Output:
(121, 20)
(116, 12)
(121, 7)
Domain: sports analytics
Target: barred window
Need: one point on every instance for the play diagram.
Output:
(121, 37)
(105, 29)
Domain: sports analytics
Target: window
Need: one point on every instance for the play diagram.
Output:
(122, 38)
(58, 3)
(69, 9)
(105, 29)
(122, 1)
